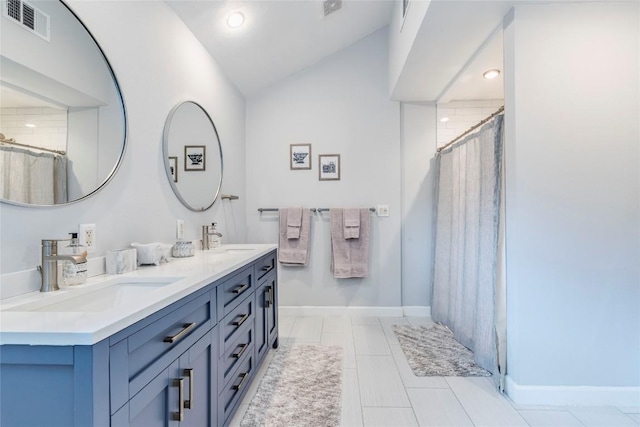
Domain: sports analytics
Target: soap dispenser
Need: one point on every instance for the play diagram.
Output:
(214, 236)
(73, 274)
(210, 237)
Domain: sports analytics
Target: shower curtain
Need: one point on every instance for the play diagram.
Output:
(27, 176)
(468, 295)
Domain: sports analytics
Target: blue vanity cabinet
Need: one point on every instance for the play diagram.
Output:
(198, 354)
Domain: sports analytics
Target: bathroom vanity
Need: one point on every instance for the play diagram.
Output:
(172, 345)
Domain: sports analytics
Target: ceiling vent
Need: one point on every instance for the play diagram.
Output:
(330, 6)
(29, 17)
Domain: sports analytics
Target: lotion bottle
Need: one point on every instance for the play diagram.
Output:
(73, 274)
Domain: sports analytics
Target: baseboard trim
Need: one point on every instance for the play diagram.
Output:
(572, 395)
(416, 311)
(360, 311)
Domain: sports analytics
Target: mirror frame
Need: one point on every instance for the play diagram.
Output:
(165, 156)
(124, 124)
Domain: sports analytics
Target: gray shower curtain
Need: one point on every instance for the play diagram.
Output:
(33, 177)
(465, 297)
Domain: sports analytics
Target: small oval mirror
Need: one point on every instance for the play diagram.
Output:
(192, 156)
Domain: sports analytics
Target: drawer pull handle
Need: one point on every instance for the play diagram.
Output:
(243, 318)
(267, 268)
(239, 354)
(240, 289)
(241, 383)
(179, 416)
(189, 403)
(185, 328)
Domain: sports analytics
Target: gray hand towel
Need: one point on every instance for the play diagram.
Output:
(294, 222)
(294, 251)
(349, 257)
(351, 223)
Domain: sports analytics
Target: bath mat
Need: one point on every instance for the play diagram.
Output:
(432, 351)
(302, 387)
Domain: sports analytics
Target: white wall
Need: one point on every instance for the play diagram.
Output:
(340, 105)
(158, 63)
(418, 124)
(402, 33)
(462, 115)
(572, 195)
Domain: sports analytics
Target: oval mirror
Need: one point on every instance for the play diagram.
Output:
(192, 156)
(62, 116)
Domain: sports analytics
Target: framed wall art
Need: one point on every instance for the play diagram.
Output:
(194, 158)
(300, 156)
(329, 167)
(173, 167)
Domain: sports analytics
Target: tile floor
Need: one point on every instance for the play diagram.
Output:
(379, 388)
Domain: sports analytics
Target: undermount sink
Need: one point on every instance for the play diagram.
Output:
(96, 298)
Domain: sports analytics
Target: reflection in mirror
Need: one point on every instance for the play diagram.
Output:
(62, 117)
(192, 156)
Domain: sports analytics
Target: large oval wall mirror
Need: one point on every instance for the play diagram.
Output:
(62, 116)
(192, 156)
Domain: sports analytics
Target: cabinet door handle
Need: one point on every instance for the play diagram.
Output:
(241, 383)
(271, 292)
(179, 416)
(267, 297)
(243, 318)
(185, 329)
(267, 268)
(243, 348)
(240, 289)
(188, 404)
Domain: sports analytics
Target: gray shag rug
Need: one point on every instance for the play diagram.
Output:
(302, 387)
(433, 351)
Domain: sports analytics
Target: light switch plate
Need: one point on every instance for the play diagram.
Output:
(382, 210)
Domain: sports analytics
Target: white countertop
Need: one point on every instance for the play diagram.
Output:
(87, 328)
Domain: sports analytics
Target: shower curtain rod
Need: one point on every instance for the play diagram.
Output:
(11, 142)
(471, 129)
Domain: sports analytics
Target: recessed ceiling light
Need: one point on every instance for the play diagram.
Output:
(235, 19)
(30, 125)
(444, 119)
(491, 74)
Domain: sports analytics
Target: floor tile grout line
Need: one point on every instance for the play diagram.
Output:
(355, 356)
(462, 405)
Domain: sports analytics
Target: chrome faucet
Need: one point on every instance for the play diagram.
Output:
(49, 267)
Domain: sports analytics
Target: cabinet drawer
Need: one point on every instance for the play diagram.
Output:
(265, 265)
(236, 350)
(234, 290)
(153, 341)
(236, 388)
(233, 323)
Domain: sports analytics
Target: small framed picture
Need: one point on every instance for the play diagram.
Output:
(300, 156)
(194, 158)
(173, 167)
(329, 167)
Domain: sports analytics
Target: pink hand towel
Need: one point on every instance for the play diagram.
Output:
(349, 257)
(294, 222)
(351, 223)
(294, 251)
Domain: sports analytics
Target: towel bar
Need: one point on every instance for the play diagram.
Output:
(311, 209)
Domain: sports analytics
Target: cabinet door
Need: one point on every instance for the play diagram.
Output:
(261, 337)
(155, 405)
(198, 368)
(271, 295)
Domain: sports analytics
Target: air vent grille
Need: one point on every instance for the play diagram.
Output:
(330, 6)
(29, 17)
